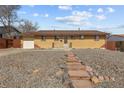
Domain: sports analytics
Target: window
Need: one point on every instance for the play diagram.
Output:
(14, 37)
(81, 37)
(72, 37)
(43, 38)
(0, 35)
(56, 38)
(97, 38)
(60, 40)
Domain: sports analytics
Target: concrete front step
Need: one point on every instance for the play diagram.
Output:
(82, 84)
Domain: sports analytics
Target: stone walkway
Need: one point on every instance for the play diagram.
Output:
(83, 76)
(77, 72)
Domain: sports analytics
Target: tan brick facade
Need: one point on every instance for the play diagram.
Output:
(77, 42)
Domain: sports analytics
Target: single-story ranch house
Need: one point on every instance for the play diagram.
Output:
(116, 42)
(64, 39)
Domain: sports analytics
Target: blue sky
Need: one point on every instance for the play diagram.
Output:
(99, 17)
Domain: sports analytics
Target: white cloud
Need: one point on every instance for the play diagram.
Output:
(46, 15)
(101, 17)
(82, 14)
(77, 18)
(42, 15)
(65, 7)
(100, 10)
(81, 23)
(111, 27)
(110, 9)
(35, 14)
(32, 6)
(90, 9)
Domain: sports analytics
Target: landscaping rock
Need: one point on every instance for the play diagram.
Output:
(59, 73)
(101, 78)
(32, 69)
(95, 80)
(88, 68)
(106, 78)
(112, 78)
(105, 63)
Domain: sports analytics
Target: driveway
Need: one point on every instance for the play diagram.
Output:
(4, 52)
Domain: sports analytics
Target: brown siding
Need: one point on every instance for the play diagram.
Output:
(111, 45)
(9, 43)
(2, 43)
(16, 43)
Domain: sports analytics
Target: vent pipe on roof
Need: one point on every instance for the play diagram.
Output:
(54, 29)
(79, 28)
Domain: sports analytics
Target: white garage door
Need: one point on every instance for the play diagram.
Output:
(28, 44)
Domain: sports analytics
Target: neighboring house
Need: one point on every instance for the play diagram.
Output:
(116, 42)
(8, 38)
(13, 33)
(64, 39)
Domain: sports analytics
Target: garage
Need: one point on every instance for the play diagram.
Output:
(28, 44)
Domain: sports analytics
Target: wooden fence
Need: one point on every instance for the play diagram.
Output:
(10, 43)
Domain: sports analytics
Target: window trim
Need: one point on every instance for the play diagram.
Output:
(97, 37)
(56, 38)
(1, 36)
(43, 38)
(82, 36)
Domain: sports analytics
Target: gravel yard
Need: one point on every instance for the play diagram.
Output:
(31, 69)
(104, 62)
(38, 68)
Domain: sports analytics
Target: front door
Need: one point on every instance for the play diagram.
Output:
(66, 42)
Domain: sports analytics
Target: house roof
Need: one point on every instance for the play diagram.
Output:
(3, 31)
(65, 33)
(120, 35)
(117, 37)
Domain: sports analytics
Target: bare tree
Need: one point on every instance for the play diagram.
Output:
(28, 26)
(8, 16)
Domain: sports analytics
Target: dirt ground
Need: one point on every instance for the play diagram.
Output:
(38, 68)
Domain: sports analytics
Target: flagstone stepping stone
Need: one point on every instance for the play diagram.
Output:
(73, 63)
(76, 67)
(78, 74)
(82, 84)
(95, 80)
(72, 60)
